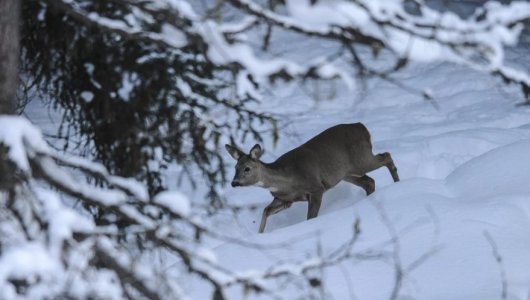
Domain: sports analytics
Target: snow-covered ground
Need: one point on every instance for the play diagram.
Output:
(460, 217)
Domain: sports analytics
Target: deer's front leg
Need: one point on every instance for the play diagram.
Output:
(314, 200)
(274, 207)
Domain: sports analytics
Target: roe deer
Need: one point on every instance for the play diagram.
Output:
(342, 152)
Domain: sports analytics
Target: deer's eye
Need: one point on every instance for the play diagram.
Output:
(246, 170)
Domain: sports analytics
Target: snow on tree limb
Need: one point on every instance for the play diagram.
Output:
(427, 35)
(424, 35)
(20, 133)
(184, 28)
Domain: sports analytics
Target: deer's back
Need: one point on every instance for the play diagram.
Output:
(339, 138)
(329, 156)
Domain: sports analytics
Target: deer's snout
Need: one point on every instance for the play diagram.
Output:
(236, 183)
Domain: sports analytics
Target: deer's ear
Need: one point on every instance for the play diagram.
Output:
(233, 151)
(256, 152)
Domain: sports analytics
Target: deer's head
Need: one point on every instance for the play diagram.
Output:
(248, 167)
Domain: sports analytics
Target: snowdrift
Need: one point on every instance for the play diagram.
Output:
(449, 235)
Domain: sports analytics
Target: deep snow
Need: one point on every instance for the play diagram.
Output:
(488, 195)
(464, 198)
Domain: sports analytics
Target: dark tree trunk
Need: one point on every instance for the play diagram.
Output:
(9, 47)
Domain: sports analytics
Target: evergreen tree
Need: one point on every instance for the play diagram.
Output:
(137, 104)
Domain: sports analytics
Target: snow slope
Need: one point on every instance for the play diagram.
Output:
(489, 195)
(463, 202)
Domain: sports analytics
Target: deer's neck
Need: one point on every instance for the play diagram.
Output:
(273, 177)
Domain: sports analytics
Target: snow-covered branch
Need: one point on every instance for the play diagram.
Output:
(423, 35)
(56, 231)
(416, 33)
(182, 27)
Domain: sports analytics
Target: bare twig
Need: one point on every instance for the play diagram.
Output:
(498, 258)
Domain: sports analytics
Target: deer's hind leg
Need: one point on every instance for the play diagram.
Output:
(274, 207)
(383, 159)
(366, 182)
(386, 160)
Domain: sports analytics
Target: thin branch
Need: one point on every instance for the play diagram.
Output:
(498, 258)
